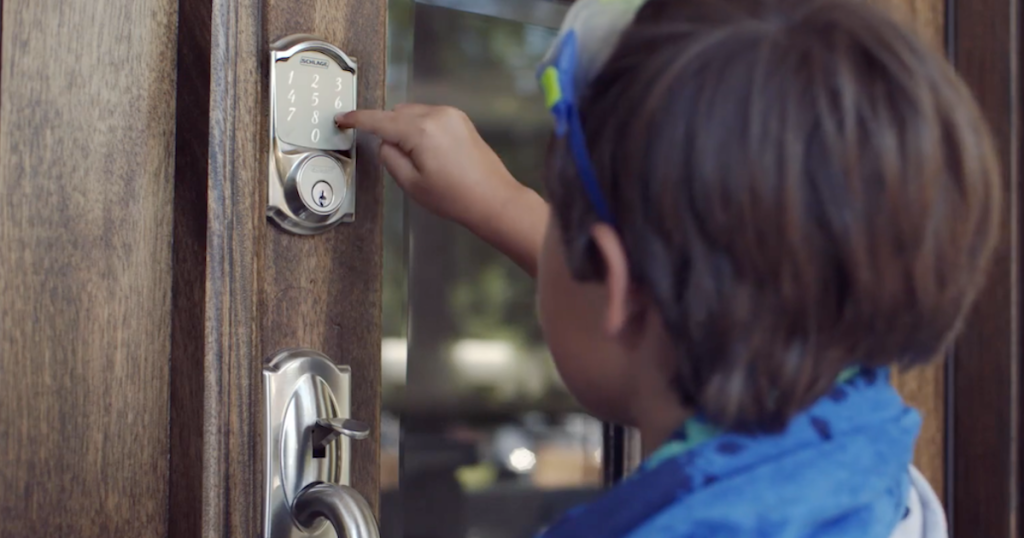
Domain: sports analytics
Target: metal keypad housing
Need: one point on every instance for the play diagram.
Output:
(311, 186)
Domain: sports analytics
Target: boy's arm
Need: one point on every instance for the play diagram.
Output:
(437, 157)
(517, 228)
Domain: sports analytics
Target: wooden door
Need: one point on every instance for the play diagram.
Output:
(141, 286)
(87, 124)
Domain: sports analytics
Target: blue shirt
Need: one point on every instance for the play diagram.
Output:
(839, 470)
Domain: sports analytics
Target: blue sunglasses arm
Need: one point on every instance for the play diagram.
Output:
(558, 86)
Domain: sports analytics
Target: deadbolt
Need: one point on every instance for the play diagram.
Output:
(312, 162)
(322, 183)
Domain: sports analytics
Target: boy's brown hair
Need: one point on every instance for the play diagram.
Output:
(800, 185)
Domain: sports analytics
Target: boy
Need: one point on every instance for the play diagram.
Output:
(756, 209)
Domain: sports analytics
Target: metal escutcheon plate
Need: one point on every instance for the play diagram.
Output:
(311, 163)
(300, 387)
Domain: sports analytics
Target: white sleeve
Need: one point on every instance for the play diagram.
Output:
(925, 517)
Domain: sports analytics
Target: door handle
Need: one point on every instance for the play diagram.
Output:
(326, 430)
(309, 429)
(346, 510)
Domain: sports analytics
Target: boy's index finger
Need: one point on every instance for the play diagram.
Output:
(382, 123)
(358, 119)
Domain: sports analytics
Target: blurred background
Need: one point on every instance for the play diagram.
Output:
(480, 439)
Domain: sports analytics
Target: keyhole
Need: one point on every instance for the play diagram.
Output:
(323, 194)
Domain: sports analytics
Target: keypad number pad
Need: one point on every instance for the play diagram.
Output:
(311, 89)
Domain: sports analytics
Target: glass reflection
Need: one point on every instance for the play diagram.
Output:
(491, 444)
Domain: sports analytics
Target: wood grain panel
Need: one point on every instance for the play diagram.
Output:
(233, 404)
(924, 388)
(986, 369)
(260, 289)
(216, 395)
(86, 163)
(325, 291)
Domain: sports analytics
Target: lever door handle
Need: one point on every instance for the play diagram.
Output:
(326, 430)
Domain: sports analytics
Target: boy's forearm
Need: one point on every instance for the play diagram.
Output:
(516, 227)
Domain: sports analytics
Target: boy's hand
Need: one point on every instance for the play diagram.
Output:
(438, 158)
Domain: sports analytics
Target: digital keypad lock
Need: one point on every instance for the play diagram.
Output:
(312, 162)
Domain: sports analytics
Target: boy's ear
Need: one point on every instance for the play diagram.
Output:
(621, 299)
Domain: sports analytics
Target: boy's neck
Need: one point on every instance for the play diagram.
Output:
(657, 428)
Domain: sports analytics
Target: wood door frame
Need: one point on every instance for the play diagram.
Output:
(983, 375)
(244, 289)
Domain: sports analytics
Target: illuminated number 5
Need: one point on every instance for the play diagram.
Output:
(316, 100)
(315, 135)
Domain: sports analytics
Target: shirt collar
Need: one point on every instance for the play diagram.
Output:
(698, 430)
